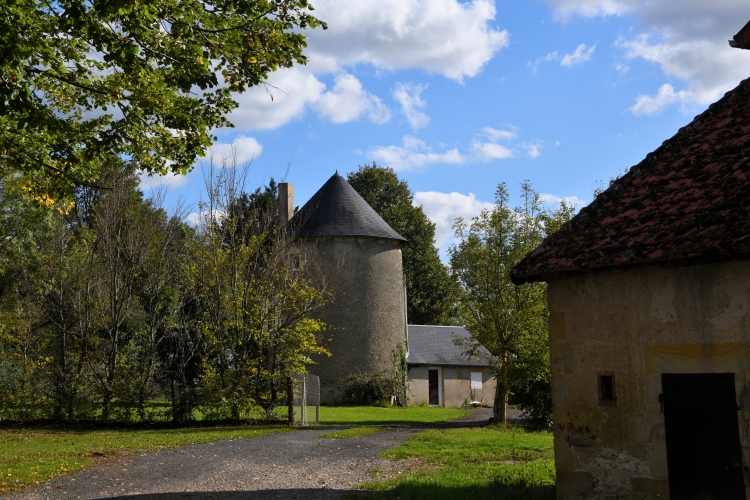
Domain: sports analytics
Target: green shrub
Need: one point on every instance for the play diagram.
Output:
(535, 399)
(367, 388)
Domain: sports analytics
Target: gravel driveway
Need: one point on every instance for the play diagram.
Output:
(284, 465)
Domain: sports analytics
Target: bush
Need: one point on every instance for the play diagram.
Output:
(366, 388)
(536, 400)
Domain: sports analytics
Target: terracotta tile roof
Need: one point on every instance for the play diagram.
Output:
(687, 201)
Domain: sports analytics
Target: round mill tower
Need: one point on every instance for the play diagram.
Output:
(349, 249)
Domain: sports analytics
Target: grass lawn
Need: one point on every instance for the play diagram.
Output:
(392, 415)
(352, 432)
(471, 463)
(29, 457)
(33, 457)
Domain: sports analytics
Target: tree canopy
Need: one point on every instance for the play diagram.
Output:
(116, 303)
(146, 81)
(431, 295)
(509, 321)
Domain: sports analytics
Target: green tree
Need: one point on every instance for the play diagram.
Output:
(81, 81)
(509, 321)
(431, 295)
(257, 311)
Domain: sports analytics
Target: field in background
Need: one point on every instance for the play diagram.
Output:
(474, 463)
(391, 416)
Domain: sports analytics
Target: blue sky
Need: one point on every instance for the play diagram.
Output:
(460, 96)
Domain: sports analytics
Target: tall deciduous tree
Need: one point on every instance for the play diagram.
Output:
(509, 320)
(148, 80)
(431, 295)
(256, 308)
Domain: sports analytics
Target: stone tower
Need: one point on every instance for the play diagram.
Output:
(344, 243)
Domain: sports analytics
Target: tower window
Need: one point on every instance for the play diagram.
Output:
(295, 262)
(605, 382)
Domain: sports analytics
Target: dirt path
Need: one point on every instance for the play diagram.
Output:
(287, 465)
(284, 465)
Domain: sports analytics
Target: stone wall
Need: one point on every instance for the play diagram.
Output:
(367, 319)
(638, 325)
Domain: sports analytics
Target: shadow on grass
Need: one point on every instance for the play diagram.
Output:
(405, 423)
(98, 425)
(403, 492)
(494, 491)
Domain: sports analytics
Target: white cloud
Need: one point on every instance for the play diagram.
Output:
(486, 151)
(243, 149)
(172, 181)
(686, 38)
(348, 101)
(664, 98)
(453, 38)
(292, 89)
(443, 209)
(497, 134)
(554, 201)
(709, 69)
(413, 154)
(449, 37)
(532, 148)
(564, 9)
(409, 96)
(552, 56)
(580, 56)
(199, 219)
(577, 57)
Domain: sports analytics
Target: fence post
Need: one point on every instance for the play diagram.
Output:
(303, 408)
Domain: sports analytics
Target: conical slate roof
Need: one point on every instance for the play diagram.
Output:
(338, 210)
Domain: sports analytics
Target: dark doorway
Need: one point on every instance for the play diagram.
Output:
(703, 441)
(433, 387)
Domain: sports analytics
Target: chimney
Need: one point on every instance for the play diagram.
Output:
(286, 202)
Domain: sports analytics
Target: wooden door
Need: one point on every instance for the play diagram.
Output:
(434, 388)
(703, 441)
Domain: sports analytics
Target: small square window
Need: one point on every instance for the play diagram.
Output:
(605, 382)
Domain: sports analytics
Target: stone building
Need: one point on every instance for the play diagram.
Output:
(351, 251)
(440, 374)
(649, 316)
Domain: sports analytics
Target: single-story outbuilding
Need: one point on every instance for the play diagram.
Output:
(440, 374)
(649, 322)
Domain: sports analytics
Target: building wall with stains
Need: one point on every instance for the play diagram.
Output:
(455, 385)
(638, 325)
(366, 320)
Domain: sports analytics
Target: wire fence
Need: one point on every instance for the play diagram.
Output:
(306, 401)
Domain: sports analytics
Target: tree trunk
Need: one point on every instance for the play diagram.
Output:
(501, 392)
(290, 399)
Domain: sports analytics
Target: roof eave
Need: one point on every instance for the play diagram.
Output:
(742, 39)
(645, 266)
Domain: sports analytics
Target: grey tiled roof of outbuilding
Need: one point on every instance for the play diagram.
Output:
(338, 210)
(434, 345)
